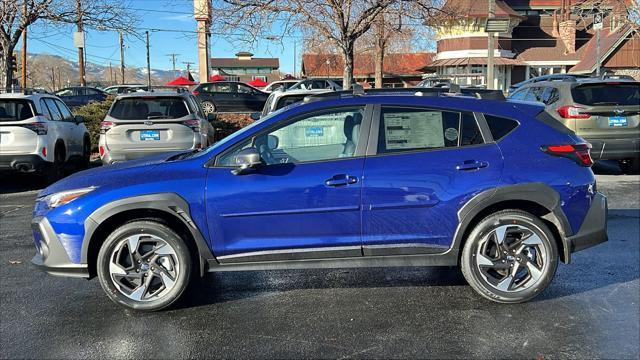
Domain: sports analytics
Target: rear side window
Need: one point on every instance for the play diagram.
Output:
(500, 126)
(607, 94)
(288, 100)
(421, 129)
(149, 108)
(14, 110)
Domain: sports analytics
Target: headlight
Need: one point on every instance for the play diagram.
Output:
(65, 197)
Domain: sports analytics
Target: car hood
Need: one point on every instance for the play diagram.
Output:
(119, 174)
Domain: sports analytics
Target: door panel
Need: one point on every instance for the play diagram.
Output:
(411, 196)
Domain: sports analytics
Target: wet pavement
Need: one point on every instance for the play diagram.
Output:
(590, 310)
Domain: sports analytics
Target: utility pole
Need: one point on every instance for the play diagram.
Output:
(81, 43)
(490, 46)
(121, 59)
(148, 63)
(173, 60)
(23, 81)
(110, 74)
(294, 56)
(53, 78)
(188, 63)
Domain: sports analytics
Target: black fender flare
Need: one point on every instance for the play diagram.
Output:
(170, 203)
(538, 193)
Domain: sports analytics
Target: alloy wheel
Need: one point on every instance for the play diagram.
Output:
(511, 258)
(144, 267)
(208, 107)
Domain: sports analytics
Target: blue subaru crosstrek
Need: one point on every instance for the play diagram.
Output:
(337, 181)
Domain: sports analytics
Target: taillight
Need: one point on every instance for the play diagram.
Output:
(580, 153)
(572, 112)
(105, 126)
(101, 150)
(193, 124)
(39, 128)
(44, 151)
(195, 93)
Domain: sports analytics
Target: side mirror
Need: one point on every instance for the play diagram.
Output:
(246, 160)
(212, 117)
(79, 119)
(255, 116)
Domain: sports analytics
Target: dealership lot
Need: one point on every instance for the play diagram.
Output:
(589, 310)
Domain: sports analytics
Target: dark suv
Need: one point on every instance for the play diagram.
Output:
(606, 113)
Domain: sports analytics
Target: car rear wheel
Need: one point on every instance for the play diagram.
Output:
(144, 265)
(86, 153)
(630, 166)
(510, 257)
(208, 107)
(56, 169)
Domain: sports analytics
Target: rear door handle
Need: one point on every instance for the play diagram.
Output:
(341, 180)
(471, 165)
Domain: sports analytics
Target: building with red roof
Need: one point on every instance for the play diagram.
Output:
(544, 37)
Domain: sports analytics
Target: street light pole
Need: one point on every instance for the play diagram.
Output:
(121, 59)
(490, 47)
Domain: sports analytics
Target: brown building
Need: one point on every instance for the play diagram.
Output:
(544, 37)
(400, 69)
(244, 67)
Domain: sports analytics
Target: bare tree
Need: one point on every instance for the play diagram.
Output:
(98, 14)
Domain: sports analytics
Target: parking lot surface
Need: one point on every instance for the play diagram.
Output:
(590, 310)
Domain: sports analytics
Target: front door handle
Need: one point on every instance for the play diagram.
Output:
(341, 180)
(471, 165)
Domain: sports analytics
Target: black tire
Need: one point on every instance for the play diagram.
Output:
(630, 166)
(112, 249)
(480, 280)
(85, 160)
(209, 107)
(56, 170)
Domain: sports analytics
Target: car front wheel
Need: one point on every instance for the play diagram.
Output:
(510, 257)
(208, 107)
(144, 265)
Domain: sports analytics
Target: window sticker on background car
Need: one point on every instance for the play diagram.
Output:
(314, 131)
(412, 130)
(451, 134)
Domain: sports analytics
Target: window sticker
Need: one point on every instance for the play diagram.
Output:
(451, 134)
(413, 130)
(314, 131)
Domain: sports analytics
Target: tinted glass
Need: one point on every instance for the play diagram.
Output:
(320, 136)
(53, 110)
(244, 89)
(65, 92)
(607, 94)
(288, 100)
(14, 110)
(417, 129)
(149, 108)
(470, 134)
(91, 91)
(499, 126)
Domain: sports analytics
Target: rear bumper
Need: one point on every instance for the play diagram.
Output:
(594, 227)
(22, 163)
(51, 257)
(614, 149)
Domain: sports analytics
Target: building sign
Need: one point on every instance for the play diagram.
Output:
(597, 21)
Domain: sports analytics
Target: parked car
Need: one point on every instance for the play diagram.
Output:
(279, 99)
(606, 113)
(143, 124)
(434, 83)
(332, 182)
(317, 83)
(228, 96)
(38, 134)
(279, 85)
(550, 77)
(122, 89)
(78, 96)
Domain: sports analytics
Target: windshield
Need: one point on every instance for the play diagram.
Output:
(14, 110)
(149, 107)
(607, 94)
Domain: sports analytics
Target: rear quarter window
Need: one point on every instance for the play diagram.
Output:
(500, 126)
(607, 94)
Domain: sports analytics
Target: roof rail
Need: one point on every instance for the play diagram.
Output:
(441, 91)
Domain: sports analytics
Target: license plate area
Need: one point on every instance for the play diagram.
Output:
(617, 121)
(149, 135)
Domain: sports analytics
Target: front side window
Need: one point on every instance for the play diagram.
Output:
(65, 92)
(56, 115)
(421, 129)
(321, 136)
(66, 114)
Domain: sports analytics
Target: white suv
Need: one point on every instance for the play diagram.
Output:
(39, 134)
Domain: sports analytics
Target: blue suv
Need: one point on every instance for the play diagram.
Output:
(339, 180)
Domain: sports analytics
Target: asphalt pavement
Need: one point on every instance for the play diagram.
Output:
(590, 310)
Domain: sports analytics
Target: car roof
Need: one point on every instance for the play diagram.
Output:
(152, 94)
(33, 96)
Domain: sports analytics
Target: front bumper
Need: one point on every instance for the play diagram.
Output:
(22, 163)
(594, 227)
(51, 257)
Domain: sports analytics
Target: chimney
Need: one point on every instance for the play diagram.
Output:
(568, 35)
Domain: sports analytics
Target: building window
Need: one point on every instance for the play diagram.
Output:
(263, 78)
(233, 78)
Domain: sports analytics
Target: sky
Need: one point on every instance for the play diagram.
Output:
(169, 16)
